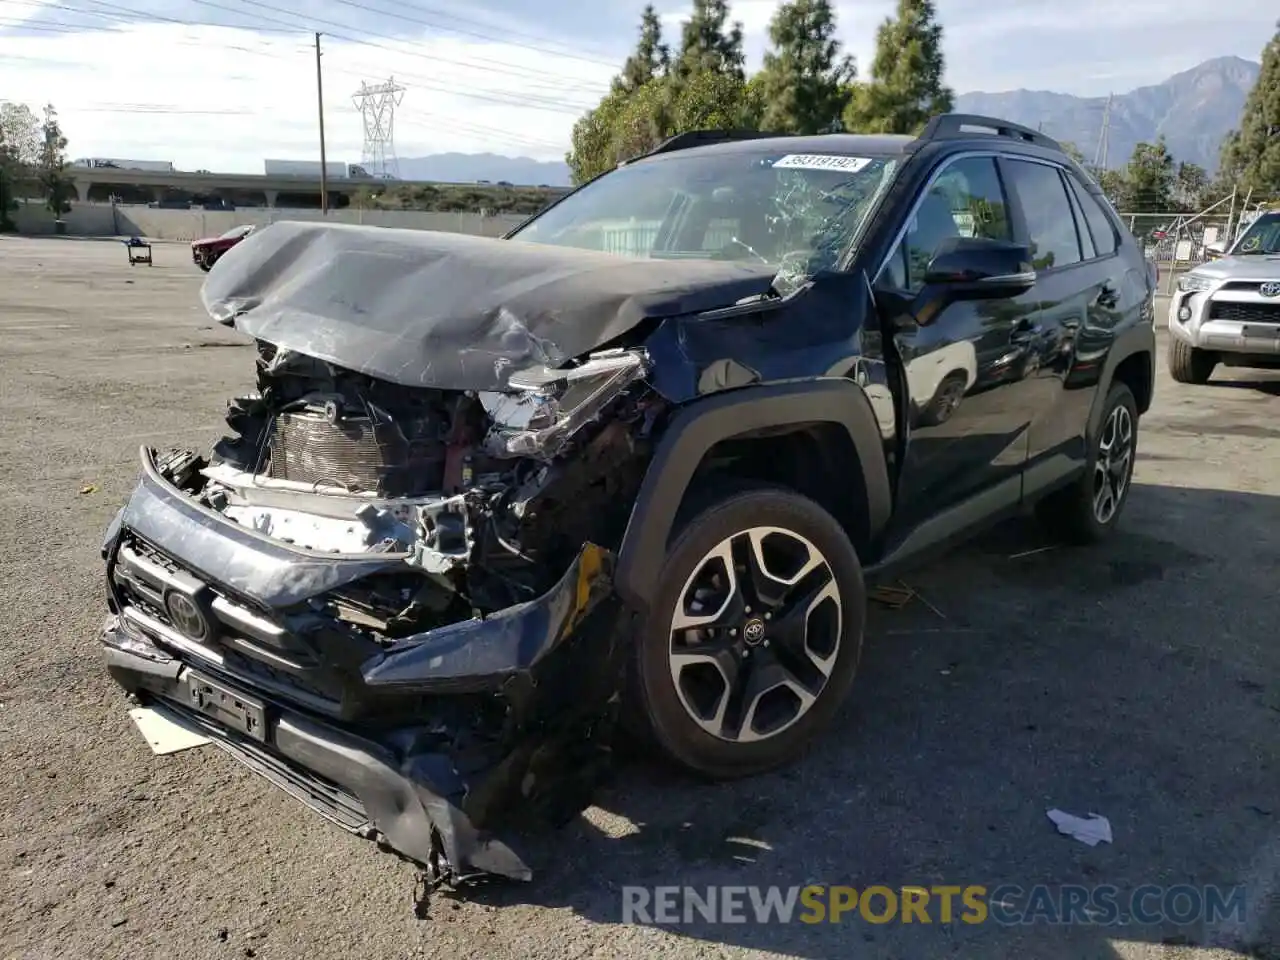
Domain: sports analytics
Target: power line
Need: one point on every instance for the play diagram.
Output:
(437, 121)
(528, 77)
(487, 66)
(474, 33)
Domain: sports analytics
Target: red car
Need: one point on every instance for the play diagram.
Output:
(206, 252)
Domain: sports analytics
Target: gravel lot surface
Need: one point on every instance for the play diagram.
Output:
(1140, 680)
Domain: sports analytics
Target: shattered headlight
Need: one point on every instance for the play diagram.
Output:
(541, 408)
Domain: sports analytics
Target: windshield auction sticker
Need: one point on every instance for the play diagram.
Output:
(821, 161)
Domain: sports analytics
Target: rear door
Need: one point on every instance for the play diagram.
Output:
(965, 433)
(1077, 290)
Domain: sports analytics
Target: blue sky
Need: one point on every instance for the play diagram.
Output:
(221, 84)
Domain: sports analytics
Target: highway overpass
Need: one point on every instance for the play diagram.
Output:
(101, 183)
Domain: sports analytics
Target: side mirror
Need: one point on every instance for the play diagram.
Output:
(976, 268)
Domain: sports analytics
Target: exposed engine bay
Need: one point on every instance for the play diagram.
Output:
(474, 490)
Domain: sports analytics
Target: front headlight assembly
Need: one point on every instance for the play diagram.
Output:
(542, 408)
(1190, 283)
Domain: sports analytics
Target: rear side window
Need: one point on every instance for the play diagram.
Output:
(1042, 195)
(1101, 228)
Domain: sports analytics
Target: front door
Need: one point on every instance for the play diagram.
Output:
(971, 403)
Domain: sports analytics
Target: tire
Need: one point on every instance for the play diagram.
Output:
(945, 400)
(662, 709)
(1189, 365)
(205, 265)
(1073, 513)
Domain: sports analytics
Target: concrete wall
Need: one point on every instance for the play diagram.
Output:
(103, 220)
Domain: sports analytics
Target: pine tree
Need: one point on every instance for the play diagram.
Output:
(906, 87)
(1149, 179)
(53, 164)
(709, 43)
(1251, 155)
(651, 57)
(803, 86)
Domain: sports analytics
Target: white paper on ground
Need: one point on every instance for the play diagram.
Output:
(821, 161)
(165, 734)
(1093, 830)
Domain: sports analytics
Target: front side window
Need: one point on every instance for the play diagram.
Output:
(1051, 225)
(965, 200)
(746, 206)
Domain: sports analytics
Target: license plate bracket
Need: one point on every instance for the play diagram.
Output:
(227, 705)
(1260, 331)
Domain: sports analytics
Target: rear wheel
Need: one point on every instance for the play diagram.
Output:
(1189, 365)
(754, 637)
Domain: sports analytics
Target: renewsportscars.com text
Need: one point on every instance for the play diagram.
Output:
(1005, 904)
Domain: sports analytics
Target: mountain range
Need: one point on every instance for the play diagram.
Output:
(1194, 110)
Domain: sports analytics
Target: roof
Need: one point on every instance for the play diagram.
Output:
(841, 144)
(954, 127)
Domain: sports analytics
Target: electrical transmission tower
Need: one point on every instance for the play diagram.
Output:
(377, 105)
(1104, 139)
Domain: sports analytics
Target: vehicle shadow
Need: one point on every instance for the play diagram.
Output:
(1271, 387)
(1137, 679)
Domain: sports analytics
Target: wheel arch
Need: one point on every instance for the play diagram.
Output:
(830, 419)
(1130, 361)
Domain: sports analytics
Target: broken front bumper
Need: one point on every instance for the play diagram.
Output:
(435, 744)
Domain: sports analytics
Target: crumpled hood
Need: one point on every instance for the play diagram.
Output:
(448, 310)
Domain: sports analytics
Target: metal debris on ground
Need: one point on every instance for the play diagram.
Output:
(893, 597)
(1032, 553)
(899, 596)
(88, 489)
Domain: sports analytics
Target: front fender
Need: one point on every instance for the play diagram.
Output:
(700, 425)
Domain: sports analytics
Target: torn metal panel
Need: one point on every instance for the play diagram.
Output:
(482, 651)
(447, 310)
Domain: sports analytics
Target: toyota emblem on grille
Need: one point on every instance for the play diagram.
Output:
(1271, 289)
(187, 615)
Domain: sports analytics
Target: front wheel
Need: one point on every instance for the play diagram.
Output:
(754, 637)
(1189, 365)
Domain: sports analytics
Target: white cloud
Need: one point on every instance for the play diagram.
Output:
(223, 99)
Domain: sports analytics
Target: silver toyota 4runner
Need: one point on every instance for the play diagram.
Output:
(1228, 311)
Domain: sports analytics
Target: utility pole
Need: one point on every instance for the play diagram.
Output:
(324, 167)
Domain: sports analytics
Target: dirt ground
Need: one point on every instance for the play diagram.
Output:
(1140, 680)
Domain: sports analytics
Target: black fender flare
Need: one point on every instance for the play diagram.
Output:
(1139, 338)
(700, 425)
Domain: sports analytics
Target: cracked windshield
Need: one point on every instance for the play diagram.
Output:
(1262, 238)
(796, 211)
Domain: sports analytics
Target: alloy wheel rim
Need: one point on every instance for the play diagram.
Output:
(1112, 467)
(755, 634)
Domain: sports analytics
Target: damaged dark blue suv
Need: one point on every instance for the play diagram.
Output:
(630, 465)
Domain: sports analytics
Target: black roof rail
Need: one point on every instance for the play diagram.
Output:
(701, 138)
(950, 126)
